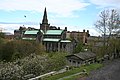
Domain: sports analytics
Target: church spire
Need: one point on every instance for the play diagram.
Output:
(44, 26)
(45, 20)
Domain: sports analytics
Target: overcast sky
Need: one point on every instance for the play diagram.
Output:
(74, 14)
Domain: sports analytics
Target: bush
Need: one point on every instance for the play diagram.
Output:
(58, 60)
(18, 69)
(7, 51)
(32, 64)
(10, 71)
(13, 50)
(78, 48)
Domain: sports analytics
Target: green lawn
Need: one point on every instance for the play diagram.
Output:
(74, 71)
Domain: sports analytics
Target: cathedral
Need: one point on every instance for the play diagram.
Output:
(53, 38)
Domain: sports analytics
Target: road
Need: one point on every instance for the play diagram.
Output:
(110, 71)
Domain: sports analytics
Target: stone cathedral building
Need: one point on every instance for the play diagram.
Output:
(52, 37)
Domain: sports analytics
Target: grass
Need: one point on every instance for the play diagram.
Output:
(74, 77)
(74, 71)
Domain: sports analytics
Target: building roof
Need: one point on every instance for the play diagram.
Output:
(83, 55)
(32, 31)
(65, 41)
(51, 40)
(29, 38)
(54, 32)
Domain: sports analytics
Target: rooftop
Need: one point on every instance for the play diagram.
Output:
(29, 38)
(32, 31)
(54, 32)
(83, 55)
(51, 40)
(65, 41)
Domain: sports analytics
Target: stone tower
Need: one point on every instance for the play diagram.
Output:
(44, 26)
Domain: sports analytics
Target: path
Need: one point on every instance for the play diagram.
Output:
(111, 71)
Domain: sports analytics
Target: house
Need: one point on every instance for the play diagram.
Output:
(80, 58)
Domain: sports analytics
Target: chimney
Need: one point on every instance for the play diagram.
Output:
(58, 28)
(83, 30)
(88, 31)
(65, 28)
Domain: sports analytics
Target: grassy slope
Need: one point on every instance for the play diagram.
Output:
(74, 71)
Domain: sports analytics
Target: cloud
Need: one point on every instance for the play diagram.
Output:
(59, 7)
(106, 3)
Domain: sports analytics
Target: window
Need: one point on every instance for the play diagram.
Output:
(69, 60)
(73, 61)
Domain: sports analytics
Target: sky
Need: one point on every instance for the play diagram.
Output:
(76, 15)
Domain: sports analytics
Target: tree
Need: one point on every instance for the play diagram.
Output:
(25, 48)
(108, 23)
(7, 51)
(57, 61)
(114, 46)
(78, 48)
(2, 35)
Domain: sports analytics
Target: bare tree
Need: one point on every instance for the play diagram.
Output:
(108, 24)
(114, 22)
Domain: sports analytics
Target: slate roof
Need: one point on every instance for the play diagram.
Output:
(83, 55)
(54, 32)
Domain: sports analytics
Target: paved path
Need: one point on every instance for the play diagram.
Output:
(111, 71)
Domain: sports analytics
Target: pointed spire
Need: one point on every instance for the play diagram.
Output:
(45, 20)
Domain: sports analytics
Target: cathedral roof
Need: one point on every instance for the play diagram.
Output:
(25, 38)
(51, 39)
(32, 31)
(65, 41)
(54, 32)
